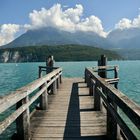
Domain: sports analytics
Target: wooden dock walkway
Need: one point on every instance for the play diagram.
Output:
(72, 108)
(70, 115)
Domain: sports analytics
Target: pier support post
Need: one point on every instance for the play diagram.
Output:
(85, 76)
(44, 99)
(60, 77)
(57, 81)
(23, 122)
(39, 72)
(88, 80)
(102, 62)
(118, 131)
(44, 96)
(111, 123)
(54, 87)
(103, 74)
(116, 76)
(97, 99)
(91, 88)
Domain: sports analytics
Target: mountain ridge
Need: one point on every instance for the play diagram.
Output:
(119, 40)
(52, 36)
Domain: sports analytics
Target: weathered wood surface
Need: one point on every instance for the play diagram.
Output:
(70, 115)
(114, 98)
(22, 100)
(13, 97)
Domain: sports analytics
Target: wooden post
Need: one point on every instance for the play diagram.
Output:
(23, 122)
(116, 76)
(97, 99)
(85, 76)
(103, 74)
(93, 82)
(88, 80)
(57, 81)
(44, 99)
(111, 123)
(53, 89)
(102, 62)
(43, 105)
(60, 77)
(91, 87)
(99, 64)
(39, 72)
(49, 64)
(115, 106)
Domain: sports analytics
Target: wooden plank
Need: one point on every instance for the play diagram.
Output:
(68, 114)
(4, 124)
(115, 117)
(131, 109)
(23, 122)
(23, 110)
(97, 99)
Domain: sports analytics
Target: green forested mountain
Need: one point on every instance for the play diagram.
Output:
(60, 52)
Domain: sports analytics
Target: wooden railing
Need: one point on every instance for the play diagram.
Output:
(22, 99)
(113, 100)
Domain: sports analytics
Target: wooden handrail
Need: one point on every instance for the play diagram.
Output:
(21, 98)
(114, 98)
(13, 97)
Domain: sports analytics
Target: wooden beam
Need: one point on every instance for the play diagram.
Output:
(115, 98)
(20, 98)
(13, 97)
(23, 121)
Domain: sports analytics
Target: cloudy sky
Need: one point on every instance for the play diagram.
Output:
(99, 16)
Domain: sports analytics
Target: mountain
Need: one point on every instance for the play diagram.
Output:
(52, 36)
(126, 42)
(60, 53)
(126, 38)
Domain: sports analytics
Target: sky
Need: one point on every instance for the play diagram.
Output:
(99, 16)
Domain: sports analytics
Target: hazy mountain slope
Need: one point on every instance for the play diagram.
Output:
(126, 38)
(126, 42)
(122, 40)
(52, 36)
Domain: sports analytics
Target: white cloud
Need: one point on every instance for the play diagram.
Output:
(8, 32)
(92, 24)
(123, 23)
(136, 22)
(64, 18)
(127, 23)
(69, 20)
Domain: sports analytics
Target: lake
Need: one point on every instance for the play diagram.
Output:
(13, 76)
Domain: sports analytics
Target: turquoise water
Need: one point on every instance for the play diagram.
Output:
(13, 76)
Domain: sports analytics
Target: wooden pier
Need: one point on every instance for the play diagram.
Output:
(70, 115)
(71, 108)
